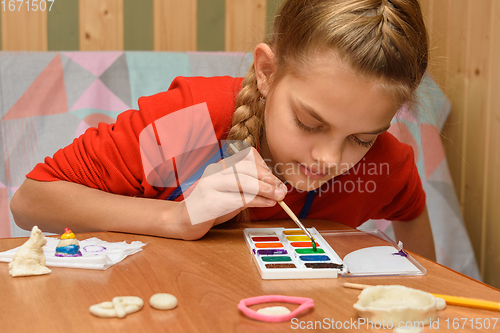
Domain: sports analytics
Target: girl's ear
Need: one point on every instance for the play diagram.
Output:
(265, 67)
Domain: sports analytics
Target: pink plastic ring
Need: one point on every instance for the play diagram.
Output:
(305, 303)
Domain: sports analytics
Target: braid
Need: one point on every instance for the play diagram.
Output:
(248, 122)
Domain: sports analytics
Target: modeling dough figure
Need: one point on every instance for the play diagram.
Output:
(119, 307)
(30, 259)
(68, 246)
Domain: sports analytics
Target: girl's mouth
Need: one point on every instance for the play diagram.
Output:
(311, 173)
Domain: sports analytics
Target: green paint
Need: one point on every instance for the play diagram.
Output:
(211, 19)
(271, 9)
(138, 26)
(314, 245)
(276, 258)
(309, 251)
(62, 26)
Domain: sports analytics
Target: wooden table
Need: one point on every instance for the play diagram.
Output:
(209, 277)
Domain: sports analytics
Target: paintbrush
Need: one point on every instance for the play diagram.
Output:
(289, 212)
(451, 300)
(297, 222)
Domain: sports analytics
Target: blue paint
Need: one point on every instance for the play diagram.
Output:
(315, 258)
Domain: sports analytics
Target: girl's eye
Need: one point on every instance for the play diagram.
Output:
(366, 144)
(302, 126)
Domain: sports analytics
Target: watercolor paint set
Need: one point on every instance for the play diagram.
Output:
(281, 253)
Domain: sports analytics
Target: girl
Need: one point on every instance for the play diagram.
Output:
(315, 106)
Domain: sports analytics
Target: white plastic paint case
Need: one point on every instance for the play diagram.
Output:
(277, 257)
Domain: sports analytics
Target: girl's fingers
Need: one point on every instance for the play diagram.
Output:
(259, 201)
(249, 186)
(250, 162)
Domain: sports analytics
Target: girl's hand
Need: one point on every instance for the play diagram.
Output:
(231, 185)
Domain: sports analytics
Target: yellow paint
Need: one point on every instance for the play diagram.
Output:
(298, 238)
(293, 232)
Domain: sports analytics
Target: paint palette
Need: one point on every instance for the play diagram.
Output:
(281, 253)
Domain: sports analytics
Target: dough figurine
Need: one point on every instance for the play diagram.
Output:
(68, 246)
(119, 307)
(30, 259)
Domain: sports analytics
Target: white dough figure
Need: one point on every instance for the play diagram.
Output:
(30, 259)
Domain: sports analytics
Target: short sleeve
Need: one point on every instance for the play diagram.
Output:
(108, 157)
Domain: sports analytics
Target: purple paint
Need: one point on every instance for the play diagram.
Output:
(272, 251)
(401, 253)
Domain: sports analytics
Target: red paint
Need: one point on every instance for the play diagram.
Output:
(265, 239)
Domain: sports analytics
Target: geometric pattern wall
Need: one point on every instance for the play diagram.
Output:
(49, 98)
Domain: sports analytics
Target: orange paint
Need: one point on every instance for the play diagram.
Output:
(269, 245)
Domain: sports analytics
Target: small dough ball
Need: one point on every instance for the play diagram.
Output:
(163, 301)
(274, 310)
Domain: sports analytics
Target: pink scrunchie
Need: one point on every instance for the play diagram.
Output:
(305, 303)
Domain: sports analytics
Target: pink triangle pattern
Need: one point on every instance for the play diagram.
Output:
(405, 114)
(382, 225)
(94, 62)
(98, 96)
(13, 189)
(403, 134)
(93, 120)
(5, 230)
(432, 148)
(45, 96)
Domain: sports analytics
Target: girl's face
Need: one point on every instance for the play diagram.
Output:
(321, 123)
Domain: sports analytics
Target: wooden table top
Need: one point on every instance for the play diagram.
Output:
(209, 277)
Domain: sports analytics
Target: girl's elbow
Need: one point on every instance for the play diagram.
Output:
(18, 205)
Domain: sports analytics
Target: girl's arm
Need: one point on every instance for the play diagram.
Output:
(416, 235)
(52, 206)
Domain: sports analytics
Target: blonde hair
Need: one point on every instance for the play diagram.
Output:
(380, 39)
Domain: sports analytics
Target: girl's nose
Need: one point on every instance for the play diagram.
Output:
(328, 155)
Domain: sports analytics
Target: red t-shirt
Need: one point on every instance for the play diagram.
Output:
(384, 184)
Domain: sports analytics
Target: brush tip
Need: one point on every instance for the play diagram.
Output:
(314, 245)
